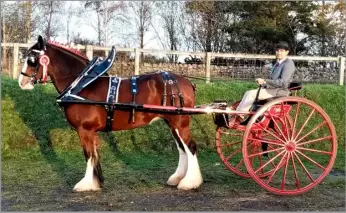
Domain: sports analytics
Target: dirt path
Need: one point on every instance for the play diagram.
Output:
(210, 197)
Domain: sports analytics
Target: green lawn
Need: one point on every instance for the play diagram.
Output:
(36, 139)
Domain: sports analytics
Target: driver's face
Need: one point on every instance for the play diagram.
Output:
(281, 53)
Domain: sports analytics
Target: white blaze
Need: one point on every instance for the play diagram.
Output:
(28, 85)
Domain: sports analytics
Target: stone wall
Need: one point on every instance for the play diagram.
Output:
(307, 74)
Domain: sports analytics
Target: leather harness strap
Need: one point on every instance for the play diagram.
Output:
(167, 77)
(112, 97)
(134, 91)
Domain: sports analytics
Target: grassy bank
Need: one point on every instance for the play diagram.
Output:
(41, 154)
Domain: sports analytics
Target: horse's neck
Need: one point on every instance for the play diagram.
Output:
(65, 67)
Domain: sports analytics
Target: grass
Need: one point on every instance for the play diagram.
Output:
(37, 141)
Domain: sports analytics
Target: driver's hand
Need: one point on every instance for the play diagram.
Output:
(260, 81)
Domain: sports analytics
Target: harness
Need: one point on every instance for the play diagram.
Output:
(134, 91)
(94, 69)
(112, 97)
(168, 78)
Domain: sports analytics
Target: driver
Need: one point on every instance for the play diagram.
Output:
(280, 77)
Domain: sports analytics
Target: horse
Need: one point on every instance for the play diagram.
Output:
(63, 65)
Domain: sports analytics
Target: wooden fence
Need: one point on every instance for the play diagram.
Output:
(89, 49)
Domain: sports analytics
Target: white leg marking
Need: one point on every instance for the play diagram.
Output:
(89, 182)
(180, 172)
(193, 178)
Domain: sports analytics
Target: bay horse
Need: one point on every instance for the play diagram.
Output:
(64, 65)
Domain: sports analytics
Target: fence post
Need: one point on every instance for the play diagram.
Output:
(207, 67)
(106, 53)
(15, 60)
(137, 54)
(342, 70)
(89, 51)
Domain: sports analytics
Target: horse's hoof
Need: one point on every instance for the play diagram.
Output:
(186, 184)
(83, 186)
(80, 189)
(174, 180)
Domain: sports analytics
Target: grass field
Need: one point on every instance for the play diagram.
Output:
(41, 154)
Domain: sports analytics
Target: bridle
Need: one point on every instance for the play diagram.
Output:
(43, 60)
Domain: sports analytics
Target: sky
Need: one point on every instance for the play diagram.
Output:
(79, 25)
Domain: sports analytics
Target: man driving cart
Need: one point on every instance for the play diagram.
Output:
(277, 85)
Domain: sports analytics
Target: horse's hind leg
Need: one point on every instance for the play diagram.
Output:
(93, 178)
(187, 175)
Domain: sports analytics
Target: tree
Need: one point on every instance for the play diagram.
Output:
(50, 22)
(329, 28)
(143, 14)
(77, 39)
(28, 6)
(171, 18)
(209, 19)
(13, 20)
(106, 16)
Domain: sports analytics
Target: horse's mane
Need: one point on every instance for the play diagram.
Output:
(67, 48)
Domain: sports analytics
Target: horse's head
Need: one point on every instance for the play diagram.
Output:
(35, 67)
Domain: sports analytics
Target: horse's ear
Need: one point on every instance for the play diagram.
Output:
(40, 42)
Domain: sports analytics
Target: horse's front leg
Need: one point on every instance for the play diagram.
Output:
(93, 179)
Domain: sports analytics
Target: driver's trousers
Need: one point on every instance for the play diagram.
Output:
(250, 96)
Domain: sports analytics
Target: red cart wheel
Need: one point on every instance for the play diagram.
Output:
(229, 149)
(303, 153)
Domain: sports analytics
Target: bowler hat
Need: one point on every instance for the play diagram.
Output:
(282, 45)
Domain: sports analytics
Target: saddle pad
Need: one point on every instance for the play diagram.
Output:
(113, 90)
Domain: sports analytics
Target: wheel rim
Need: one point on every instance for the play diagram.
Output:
(229, 149)
(304, 151)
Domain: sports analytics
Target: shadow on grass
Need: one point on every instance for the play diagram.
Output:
(39, 111)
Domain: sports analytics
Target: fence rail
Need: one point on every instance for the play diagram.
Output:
(206, 63)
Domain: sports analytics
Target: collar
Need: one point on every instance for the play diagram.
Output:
(282, 60)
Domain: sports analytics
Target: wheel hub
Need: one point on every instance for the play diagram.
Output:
(290, 147)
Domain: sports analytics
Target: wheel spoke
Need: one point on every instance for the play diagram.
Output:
(276, 124)
(285, 120)
(253, 151)
(229, 144)
(314, 150)
(302, 127)
(315, 140)
(272, 163)
(302, 165)
(312, 161)
(307, 134)
(268, 151)
(285, 172)
(260, 160)
(295, 172)
(295, 120)
(272, 134)
(235, 152)
(230, 133)
(268, 141)
(240, 162)
(277, 168)
(271, 160)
